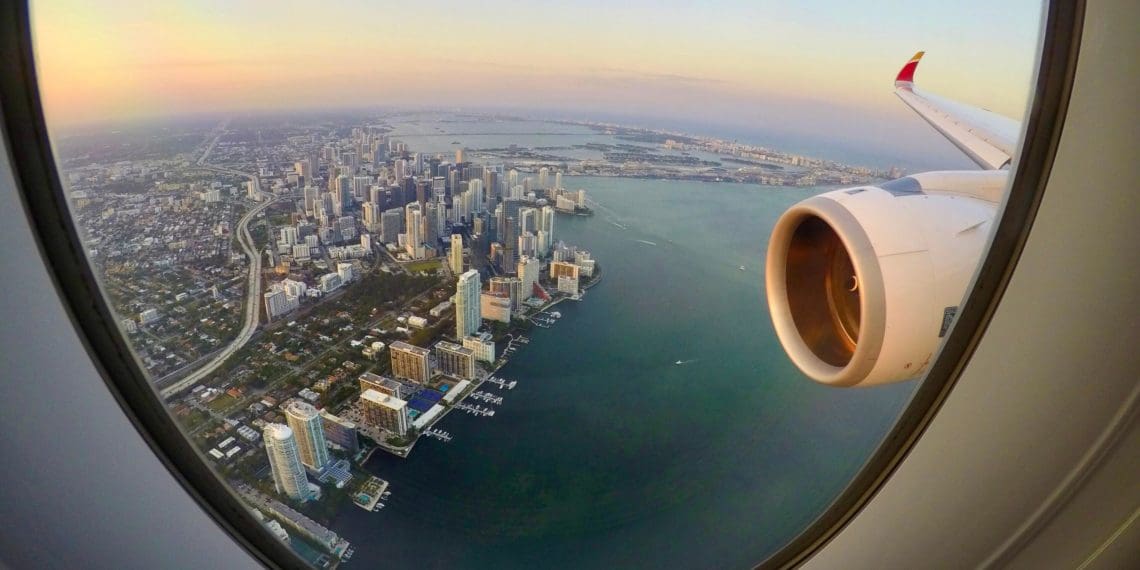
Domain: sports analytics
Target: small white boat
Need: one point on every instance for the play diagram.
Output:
(679, 362)
(742, 268)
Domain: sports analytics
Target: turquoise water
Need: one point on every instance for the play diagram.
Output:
(608, 454)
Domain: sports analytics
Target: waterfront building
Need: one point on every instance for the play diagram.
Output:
(455, 256)
(305, 422)
(510, 287)
(546, 221)
(455, 360)
(385, 385)
(528, 269)
(410, 362)
(385, 412)
(340, 431)
(563, 269)
(285, 462)
(482, 345)
(495, 308)
(467, 312)
(568, 285)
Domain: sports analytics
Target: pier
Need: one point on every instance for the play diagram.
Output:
(488, 398)
(476, 410)
(439, 434)
(502, 384)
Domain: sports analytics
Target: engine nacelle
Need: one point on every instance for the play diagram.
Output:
(864, 282)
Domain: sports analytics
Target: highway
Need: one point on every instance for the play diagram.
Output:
(253, 290)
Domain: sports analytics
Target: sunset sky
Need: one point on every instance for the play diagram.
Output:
(790, 67)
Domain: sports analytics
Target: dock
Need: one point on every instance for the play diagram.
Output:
(370, 493)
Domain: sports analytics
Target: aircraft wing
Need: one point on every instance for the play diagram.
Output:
(987, 138)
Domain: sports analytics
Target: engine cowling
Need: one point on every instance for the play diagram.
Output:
(863, 283)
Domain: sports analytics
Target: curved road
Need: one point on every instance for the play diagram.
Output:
(253, 291)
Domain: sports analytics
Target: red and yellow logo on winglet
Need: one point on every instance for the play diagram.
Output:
(906, 74)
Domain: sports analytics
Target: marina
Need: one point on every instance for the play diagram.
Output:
(502, 384)
(439, 434)
(476, 410)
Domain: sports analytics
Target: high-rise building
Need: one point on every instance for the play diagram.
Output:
(410, 362)
(305, 422)
(546, 223)
(455, 256)
(384, 411)
(385, 385)
(467, 312)
(563, 268)
(415, 231)
(510, 241)
(455, 360)
(285, 462)
(528, 220)
(371, 212)
(528, 244)
(558, 180)
(495, 307)
(340, 431)
(432, 225)
(528, 270)
(509, 287)
(391, 224)
(477, 196)
(543, 178)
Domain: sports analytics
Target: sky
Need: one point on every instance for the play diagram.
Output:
(792, 68)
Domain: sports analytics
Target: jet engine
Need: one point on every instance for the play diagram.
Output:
(863, 283)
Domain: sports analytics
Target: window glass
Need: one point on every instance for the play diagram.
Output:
(488, 284)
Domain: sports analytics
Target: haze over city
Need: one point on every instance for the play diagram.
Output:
(773, 69)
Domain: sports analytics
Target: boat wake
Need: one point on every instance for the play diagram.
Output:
(647, 242)
(684, 362)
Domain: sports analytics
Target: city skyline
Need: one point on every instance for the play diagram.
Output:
(772, 69)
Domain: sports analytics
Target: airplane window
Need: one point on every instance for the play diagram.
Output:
(480, 284)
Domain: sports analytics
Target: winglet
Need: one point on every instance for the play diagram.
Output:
(905, 77)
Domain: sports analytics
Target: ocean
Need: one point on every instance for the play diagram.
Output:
(607, 453)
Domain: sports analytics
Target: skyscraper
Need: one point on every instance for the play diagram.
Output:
(414, 230)
(546, 222)
(305, 422)
(528, 269)
(455, 256)
(285, 462)
(543, 178)
(467, 315)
